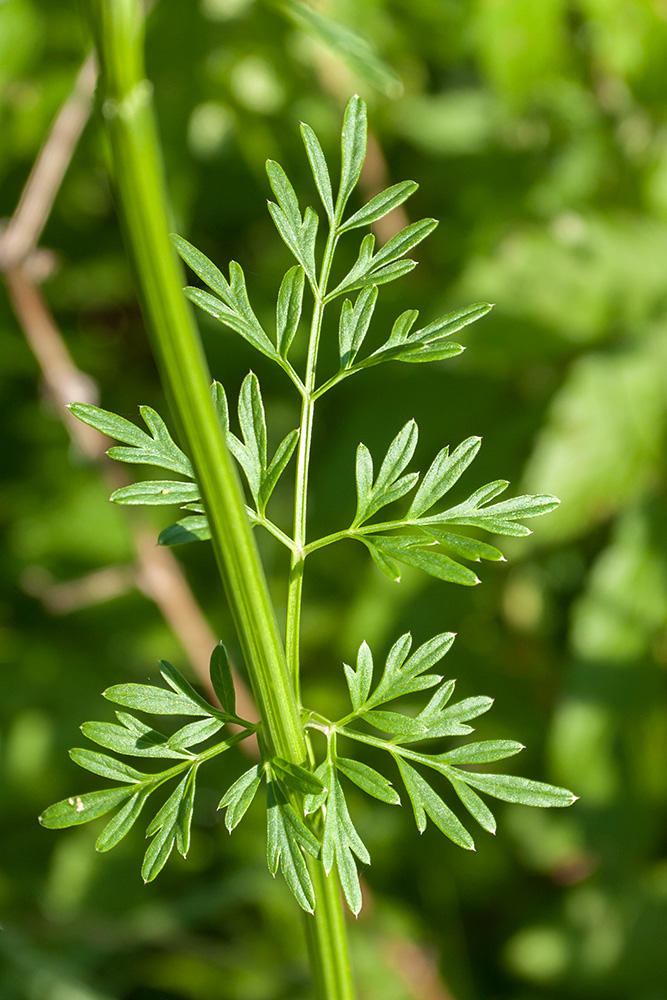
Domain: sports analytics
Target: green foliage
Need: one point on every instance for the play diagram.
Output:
(171, 824)
(421, 539)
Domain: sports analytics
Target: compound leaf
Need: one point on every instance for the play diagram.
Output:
(140, 741)
(359, 680)
(284, 846)
(220, 671)
(443, 473)
(426, 802)
(107, 767)
(78, 809)
(522, 791)
(238, 797)
(288, 308)
(296, 777)
(353, 150)
(147, 698)
(369, 780)
(475, 806)
(318, 165)
(121, 824)
(340, 841)
(380, 205)
(187, 529)
(154, 492)
(278, 464)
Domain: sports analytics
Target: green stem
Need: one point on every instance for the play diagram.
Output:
(354, 532)
(326, 938)
(127, 107)
(295, 587)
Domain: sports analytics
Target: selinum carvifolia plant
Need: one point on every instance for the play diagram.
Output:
(401, 518)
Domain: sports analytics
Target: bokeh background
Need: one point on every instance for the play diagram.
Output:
(538, 135)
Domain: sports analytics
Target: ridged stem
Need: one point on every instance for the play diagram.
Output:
(127, 107)
(128, 110)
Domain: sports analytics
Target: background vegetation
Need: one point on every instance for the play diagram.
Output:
(538, 134)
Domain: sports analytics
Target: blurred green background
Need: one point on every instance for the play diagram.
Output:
(538, 134)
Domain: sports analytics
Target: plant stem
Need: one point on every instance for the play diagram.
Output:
(118, 26)
(326, 938)
(295, 589)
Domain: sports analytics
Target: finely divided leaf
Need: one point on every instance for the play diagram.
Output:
(380, 205)
(298, 235)
(426, 802)
(340, 841)
(288, 308)
(286, 837)
(354, 323)
(402, 242)
(234, 310)
(522, 791)
(452, 721)
(296, 777)
(475, 806)
(177, 682)
(390, 484)
(238, 797)
(140, 741)
(121, 824)
(157, 701)
(155, 492)
(277, 466)
(187, 529)
(404, 675)
(482, 753)
(499, 517)
(284, 192)
(397, 724)
(80, 809)
(463, 545)
(318, 165)
(158, 449)
(108, 767)
(353, 150)
(220, 671)
(195, 732)
(116, 427)
(359, 680)
(443, 473)
(369, 780)
(233, 318)
(203, 268)
(170, 826)
(415, 551)
(314, 801)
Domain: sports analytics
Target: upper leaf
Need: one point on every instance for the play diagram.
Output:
(287, 838)
(234, 310)
(340, 841)
(221, 678)
(288, 308)
(158, 449)
(380, 205)
(426, 802)
(353, 150)
(318, 165)
(238, 797)
(389, 484)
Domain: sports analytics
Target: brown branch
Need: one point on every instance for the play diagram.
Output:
(22, 234)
